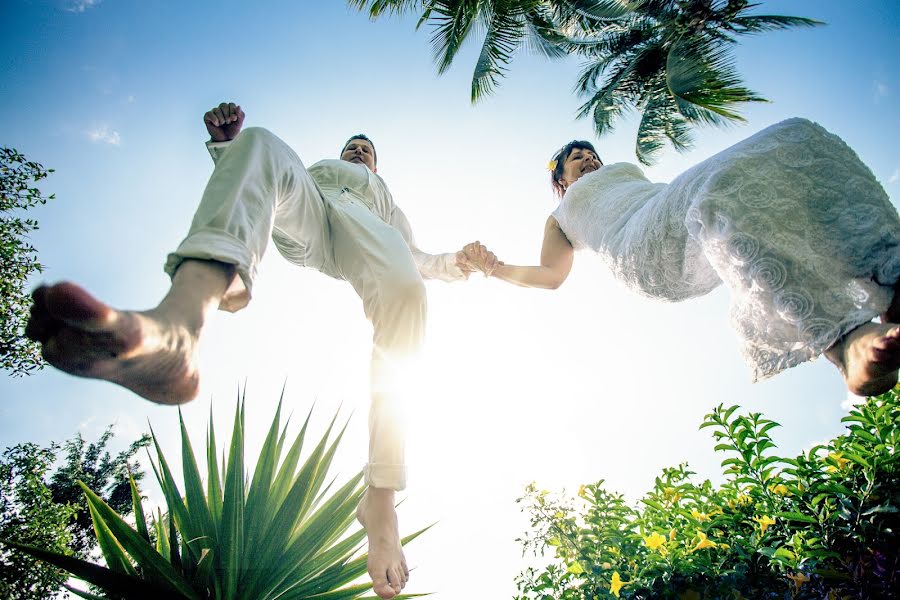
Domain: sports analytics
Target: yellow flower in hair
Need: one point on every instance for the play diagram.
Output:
(551, 166)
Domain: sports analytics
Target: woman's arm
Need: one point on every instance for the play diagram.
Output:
(557, 256)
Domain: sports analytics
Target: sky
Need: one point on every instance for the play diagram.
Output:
(585, 383)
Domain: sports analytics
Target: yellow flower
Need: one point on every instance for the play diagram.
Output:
(744, 499)
(724, 546)
(699, 515)
(841, 461)
(703, 543)
(616, 584)
(798, 579)
(672, 535)
(582, 492)
(551, 166)
(780, 489)
(672, 494)
(575, 568)
(655, 541)
(764, 522)
(606, 566)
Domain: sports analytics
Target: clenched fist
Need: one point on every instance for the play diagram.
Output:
(224, 122)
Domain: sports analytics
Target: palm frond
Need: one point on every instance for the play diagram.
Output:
(505, 32)
(542, 35)
(453, 23)
(377, 8)
(702, 78)
(761, 23)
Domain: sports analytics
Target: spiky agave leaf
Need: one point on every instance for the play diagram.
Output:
(118, 583)
(153, 566)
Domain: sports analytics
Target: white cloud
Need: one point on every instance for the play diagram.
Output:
(79, 6)
(881, 90)
(895, 176)
(104, 134)
(851, 401)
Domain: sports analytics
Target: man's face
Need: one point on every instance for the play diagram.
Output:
(360, 152)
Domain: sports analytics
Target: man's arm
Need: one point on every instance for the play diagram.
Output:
(450, 266)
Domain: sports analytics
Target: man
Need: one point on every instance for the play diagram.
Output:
(338, 217)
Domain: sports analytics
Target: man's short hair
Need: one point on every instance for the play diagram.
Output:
(361, 136)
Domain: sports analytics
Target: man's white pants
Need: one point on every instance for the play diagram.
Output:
(260, 190)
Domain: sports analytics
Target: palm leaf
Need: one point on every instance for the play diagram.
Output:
(761, 23)
(453, 24)
(704, 82)
(377, 8)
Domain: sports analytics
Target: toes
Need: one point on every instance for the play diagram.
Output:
(71, 304)
(384, 589)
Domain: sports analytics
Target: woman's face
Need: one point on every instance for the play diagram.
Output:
(579, 162)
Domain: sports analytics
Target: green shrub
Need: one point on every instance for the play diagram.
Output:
(821, 525)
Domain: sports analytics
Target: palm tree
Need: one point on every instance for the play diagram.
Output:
(668, 59)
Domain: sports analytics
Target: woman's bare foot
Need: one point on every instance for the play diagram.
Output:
(868, 358)
(152, 353)
(387, 565)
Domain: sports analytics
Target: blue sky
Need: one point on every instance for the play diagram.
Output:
(586, 383)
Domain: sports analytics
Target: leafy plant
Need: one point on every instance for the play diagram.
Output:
(29, 515)
(18, 261)
(280, 534)
(668, 59)
(48, 510)
(821, 525)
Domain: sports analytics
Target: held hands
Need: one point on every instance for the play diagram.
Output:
(476, 257)
(224, 122)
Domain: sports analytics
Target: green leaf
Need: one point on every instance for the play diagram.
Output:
(107, 579)
(795, 516)
(145, 555)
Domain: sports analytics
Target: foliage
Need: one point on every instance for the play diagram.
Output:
(280, 534)
(93, 465)
(49, 510)
(18, 261)
(821, 525)
(29, 515)
(668, 59)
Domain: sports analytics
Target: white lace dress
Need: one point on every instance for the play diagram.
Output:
(790, 219)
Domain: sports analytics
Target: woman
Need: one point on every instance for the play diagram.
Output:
(790, 219)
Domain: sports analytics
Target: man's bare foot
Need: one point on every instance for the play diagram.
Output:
(868, 358)
(150, 353)
(387, 565)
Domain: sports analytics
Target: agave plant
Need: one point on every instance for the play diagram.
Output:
(283, 534)
(668, 59)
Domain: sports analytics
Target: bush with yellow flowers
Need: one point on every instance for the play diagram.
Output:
(822, 525)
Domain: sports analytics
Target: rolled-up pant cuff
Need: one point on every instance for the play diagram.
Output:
(224, 248)
(392, 477)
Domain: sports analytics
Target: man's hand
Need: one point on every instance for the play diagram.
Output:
(224, 122)
(475, 256)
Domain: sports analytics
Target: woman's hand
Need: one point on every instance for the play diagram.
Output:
(477, 256)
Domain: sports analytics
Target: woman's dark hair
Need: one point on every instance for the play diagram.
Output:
(559, 161)
(361, 136)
